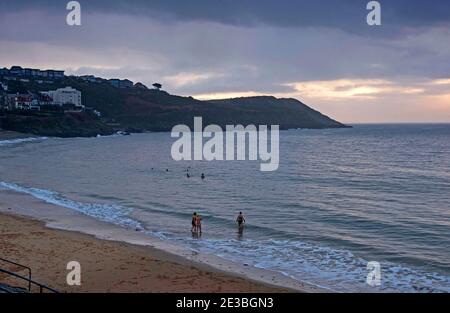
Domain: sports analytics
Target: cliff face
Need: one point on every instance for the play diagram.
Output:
(138, 109)
(288, 113)
(161, 112)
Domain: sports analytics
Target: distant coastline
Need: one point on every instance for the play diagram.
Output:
(108, 106)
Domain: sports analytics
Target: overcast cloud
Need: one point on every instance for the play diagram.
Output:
(320, 52)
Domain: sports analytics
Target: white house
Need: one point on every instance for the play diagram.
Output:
(67, 95)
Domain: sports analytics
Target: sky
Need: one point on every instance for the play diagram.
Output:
(321, 52)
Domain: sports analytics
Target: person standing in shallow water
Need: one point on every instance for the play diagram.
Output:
(240, 220)
(198, 223)
(194, 222)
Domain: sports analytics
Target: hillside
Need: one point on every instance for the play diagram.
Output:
(136, 109)
(286, 112)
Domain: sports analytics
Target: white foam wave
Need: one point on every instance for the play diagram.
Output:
(21, 140)
(110, 213)
(339, 270)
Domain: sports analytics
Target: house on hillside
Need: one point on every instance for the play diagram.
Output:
(91, 79)
(4, 71)
(18, 71)
(65, 97)
(121, 83)
(126, 83)
(19, 102)
(114, 82)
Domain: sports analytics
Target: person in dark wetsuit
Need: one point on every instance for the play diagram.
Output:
(194, 222)
(203, 176)
(240, 220)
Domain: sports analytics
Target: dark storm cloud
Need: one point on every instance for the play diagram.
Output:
(348, 15)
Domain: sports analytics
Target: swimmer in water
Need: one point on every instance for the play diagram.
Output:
(240, 220)
(203, 176)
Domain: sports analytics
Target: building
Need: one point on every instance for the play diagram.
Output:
(126, 83)
(114, 82)
(19, 102)
(28, 101)
(88, 78)
(65, 96)
(53, 74)
(92, 79)
(56, 74)
(35, 72)
(121, 83)
(63, 99)
(44, 100)
(34, 105)
(16, 71)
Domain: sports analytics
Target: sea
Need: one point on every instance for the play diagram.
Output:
(341, 200)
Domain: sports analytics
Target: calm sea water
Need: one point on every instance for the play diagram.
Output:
(340, 199)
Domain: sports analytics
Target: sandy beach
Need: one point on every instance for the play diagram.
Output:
(106, 265)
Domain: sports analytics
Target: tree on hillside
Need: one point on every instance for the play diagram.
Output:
(157, 86)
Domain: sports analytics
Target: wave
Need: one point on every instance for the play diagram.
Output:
(110, 213)
(333, 269)
(20, 140)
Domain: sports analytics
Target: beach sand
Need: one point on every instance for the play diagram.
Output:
(106, 265)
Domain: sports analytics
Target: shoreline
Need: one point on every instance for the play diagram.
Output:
(10, 135)
(60, 223)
